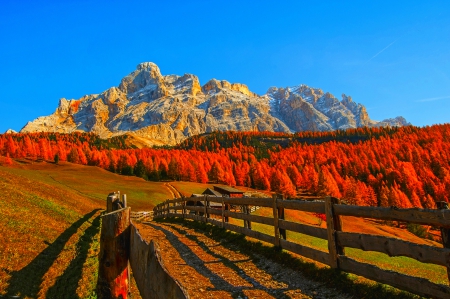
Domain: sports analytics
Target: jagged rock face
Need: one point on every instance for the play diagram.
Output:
(159, 109)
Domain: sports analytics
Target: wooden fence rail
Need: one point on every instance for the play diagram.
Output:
(121, 246)
(239, 208)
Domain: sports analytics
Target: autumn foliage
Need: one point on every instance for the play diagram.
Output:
(403, 167)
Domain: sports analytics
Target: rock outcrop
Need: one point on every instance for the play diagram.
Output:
(159, 109)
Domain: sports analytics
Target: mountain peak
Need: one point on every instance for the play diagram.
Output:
(146, 73)
(147, 66)
(168, 109)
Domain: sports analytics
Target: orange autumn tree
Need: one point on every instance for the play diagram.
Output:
(405, 167)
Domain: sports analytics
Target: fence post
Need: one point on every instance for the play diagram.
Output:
(244, 211)
(227, 208)
(205, 207)
(281, 216)
(247, 211)
(223, 211)
(114, 255)
(275, 221)
(334, 224)
(445, 232)
(109, 202)
(196, 212)
(124, 200)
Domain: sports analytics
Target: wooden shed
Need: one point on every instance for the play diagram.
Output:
(229, 191)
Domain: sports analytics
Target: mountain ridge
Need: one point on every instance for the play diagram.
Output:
(165, 110)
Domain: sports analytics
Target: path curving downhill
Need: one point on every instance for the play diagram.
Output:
(211, 269)
(175, 193)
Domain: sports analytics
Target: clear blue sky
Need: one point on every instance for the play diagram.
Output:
(391, 56)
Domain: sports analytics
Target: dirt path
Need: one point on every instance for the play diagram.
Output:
(211, 269)
(173, 190)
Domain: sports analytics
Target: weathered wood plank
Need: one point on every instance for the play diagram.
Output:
(176, 200)
(223, 210)
(395, 247)
(337, 222)
(247, 223)
(308, 252)
(196, 209)
(415, 215)
(151, 276)
(445, 232)
(250, 233)
(331, 233)
(262, 202)
(300, 205)
(416, 285)
(214, 211)
(275, 221)
(205, 207)
(253, 218)
(304, 229)
(114, 253)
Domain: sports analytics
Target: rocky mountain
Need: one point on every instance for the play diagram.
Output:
(157, 109)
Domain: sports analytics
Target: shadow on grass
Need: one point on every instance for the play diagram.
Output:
(27, 281)
(332, 278)
(66, 284)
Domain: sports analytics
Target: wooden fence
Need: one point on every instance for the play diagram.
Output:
(337, 239)
(141, 216)
(121, 246)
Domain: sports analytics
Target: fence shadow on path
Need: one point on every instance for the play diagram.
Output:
(324, 276)
(218, 282)
(27, 281)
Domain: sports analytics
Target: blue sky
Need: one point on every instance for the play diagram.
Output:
(391, 56)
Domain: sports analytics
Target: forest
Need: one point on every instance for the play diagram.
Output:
(403, 167)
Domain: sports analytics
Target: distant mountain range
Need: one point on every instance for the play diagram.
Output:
(165, 110)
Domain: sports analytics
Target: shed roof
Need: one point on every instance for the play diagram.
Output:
(228, 189)
(212, 192)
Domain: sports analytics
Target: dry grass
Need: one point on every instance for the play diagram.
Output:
(96, 183)
(48, 238)
(50, 225)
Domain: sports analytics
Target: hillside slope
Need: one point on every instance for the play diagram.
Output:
(49, 237)
(50, 225)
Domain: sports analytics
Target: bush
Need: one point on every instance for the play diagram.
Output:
(417, 229)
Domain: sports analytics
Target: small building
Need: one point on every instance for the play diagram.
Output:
(229, 191)
(208, 192)
(212, 192)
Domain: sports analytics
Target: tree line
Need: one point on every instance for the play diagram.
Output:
(403, 167)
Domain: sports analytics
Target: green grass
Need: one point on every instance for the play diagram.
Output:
(97, 183)
(409, 266)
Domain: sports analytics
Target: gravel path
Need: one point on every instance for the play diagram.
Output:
(207, 269)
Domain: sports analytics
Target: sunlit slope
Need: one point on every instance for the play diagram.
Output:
(49, 237)
(50, 225)
(96, 183)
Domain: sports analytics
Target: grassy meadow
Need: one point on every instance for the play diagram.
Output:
(50, 225)
(434, 273)
(50, 228)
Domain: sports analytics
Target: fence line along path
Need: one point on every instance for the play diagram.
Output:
(239, 208)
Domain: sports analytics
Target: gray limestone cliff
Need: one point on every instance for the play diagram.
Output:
(159, 109)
